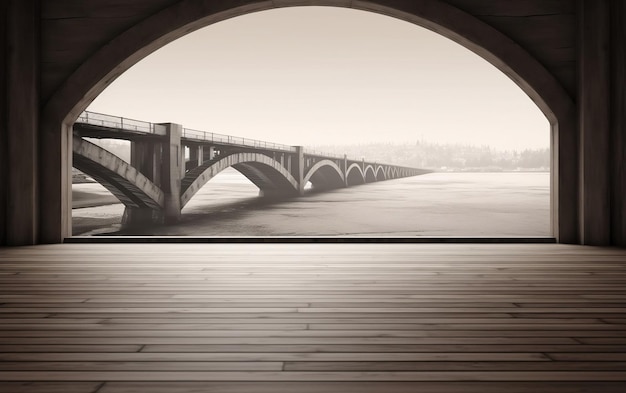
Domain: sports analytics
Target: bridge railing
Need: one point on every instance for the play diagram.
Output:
(234, 140)
(100, 119)
(313, 152)
(331, 155)
(122, 123)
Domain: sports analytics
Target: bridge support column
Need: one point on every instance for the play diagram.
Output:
(345, 170)
(146, 157)
(161, 162)
(298, 169)
(208, 152)
(196, 155)
(200, 157)
(173, 170)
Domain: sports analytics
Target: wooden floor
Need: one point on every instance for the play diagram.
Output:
(226, 318)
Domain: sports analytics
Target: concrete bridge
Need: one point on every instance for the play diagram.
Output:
(169, 164)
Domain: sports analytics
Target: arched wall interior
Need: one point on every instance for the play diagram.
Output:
(186, 16)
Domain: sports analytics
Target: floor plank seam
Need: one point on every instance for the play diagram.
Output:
(547, 355)
(99, 387)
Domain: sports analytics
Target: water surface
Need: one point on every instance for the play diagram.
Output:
(436, 204)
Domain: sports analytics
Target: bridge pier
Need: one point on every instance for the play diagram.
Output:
(173, 170)
(298, 169)
(161, 161)
(145, 156)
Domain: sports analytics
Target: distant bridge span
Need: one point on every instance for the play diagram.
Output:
(161, 179)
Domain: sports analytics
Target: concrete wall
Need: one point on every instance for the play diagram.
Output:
(594, 122)
(3, 122)
(618, 122)
(19, 146)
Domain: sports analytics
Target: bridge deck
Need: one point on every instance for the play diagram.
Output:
(312, 318)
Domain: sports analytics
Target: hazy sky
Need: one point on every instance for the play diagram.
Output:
(322, 75)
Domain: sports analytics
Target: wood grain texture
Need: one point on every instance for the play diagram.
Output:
(4, 97)
(594, 106)
(73, 30)
(22, 128)
(298, 317)
(618, 120)
(119, 15)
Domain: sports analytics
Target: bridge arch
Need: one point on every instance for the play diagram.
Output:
(355, 175)
(128, 185)
(266, 173)
(370, 174)
(380, 173)
(106, 63)
(325, 175)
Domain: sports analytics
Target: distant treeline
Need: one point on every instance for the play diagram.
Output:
(447, 157)
(428, 155)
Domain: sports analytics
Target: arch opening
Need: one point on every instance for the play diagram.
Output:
(272, 179)
(324, 175)
(355, 175)
(227, 190)
(380, 174)
(474, 38)
(370, 175)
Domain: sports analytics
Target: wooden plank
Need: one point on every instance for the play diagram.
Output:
(588, 356)
(117, 348)
(144, 366)
(50, 387)
(433, 316)
(363, 320)
(484, 344)
(353, 348)
(277, 357)
(447, 366)
(363, 387)
(312, 376)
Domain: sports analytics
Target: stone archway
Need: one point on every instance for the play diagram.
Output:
(130, 46)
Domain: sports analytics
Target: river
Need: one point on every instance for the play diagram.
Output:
(436, 204)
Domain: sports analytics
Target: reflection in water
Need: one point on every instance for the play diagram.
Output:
(437, 204)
